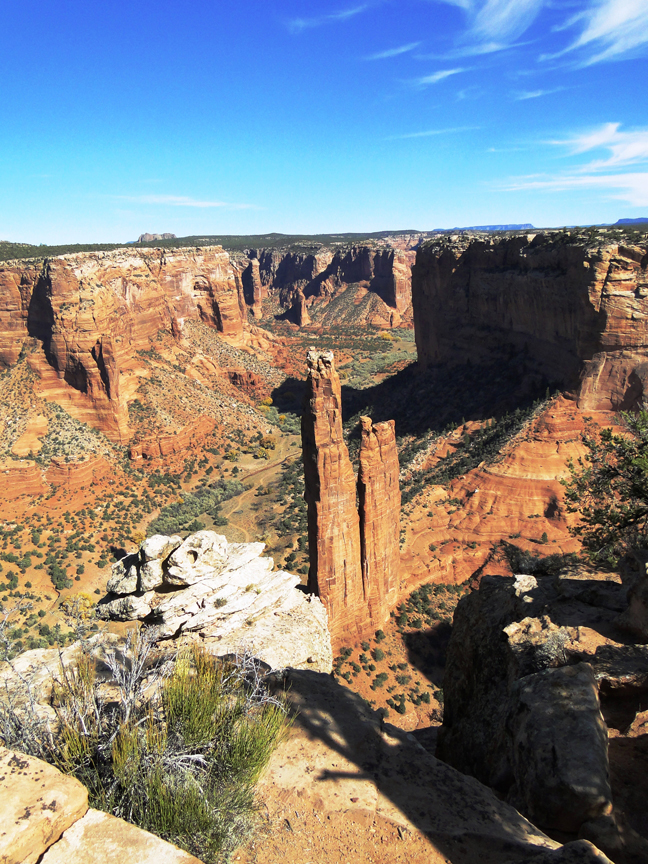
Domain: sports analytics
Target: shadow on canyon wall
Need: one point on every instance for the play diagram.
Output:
(421, 401)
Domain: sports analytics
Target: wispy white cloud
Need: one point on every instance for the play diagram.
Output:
(610, 28)
(429, 133)
(182, 201)
(393, 52)
(523, 95)
(437, 76)
(298, 25)
(503, 20)
(624, 148)
(605, 29)
(630, 188)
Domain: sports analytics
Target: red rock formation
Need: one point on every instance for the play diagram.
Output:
(300, 310)
(92, 311)
(379, 499)
(20, 478)
(76, 475)
(354, 557)
(571, 307)
(333, 525)
(254, 290)
(157, 446)
(318, 276)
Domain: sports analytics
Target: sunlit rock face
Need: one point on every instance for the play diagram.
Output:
(89, 313)
(227, 594)
(353, 547)
(568, 310)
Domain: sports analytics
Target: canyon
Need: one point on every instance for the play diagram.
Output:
(305, 283)
(183, 369)
(83, 318)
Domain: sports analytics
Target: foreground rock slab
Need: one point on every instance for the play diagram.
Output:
(102, 837)
(37, 804)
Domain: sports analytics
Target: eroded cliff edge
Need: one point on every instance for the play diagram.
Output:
(92, 311)
(575, 304)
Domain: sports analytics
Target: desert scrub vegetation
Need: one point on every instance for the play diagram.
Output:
(173, 744)
(181, 516)
(483, 445)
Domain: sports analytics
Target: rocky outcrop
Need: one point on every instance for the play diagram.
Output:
(156, 446)
(92, 311)
(79, 474)
(312, 279)
(254, 290)
(379, 796)
(570, 310)
(149, 238)
(354, 555)
(535, 663)
(226, 593)
(19, 478)
(45, 818)
(379, 501)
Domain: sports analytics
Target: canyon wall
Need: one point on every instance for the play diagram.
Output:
(354, 552)
(574, 307)
(90, 312)
(313, 278)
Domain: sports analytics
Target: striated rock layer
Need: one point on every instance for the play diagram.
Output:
(354, 555)
(92, 311)
(379, 501)
(227, 594)
(335, 573)
(574, 308)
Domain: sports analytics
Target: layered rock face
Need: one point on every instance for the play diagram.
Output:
(379, 503)
(354, 554)
(312, 279)
(574, 309)
(92, 311)
(226, 593)
(335, 573)
(535, 663)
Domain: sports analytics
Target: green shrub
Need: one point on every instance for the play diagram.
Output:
(379, 680)
(182, 763)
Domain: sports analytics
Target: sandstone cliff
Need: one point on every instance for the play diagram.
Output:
(92, 311)
(576, 306)
(354, 551)
(313, 279)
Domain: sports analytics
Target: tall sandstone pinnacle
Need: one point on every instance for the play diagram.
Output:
(335, 573)
(379, 503)
(353, 555)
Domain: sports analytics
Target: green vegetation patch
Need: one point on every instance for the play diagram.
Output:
(181, 516)
(182, 763)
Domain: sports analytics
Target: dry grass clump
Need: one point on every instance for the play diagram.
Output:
(172, 745)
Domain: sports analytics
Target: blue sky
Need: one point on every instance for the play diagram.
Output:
(319, 116)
